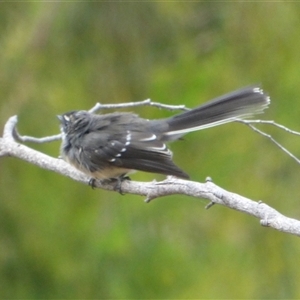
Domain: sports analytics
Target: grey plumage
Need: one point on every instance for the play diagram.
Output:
(112, 145)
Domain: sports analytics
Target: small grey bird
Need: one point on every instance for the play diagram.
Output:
(113, 145)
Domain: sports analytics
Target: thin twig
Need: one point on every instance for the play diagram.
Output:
(98, 106)
(31, 139)
(10, 132)
(148, 102)
(270, 122)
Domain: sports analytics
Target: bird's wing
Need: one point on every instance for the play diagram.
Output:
(132, 150)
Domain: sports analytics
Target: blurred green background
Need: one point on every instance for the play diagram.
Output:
(61, 239)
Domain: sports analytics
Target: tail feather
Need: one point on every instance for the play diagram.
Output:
(242, 103)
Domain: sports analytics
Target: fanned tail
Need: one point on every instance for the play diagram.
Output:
(239, 104)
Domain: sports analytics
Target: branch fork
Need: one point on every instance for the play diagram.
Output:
(268, 216)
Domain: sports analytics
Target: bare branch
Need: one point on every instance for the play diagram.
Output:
(152, 190)
(250, 122)
(31, 139)
(9, 128)
(270, 122)
(98, 106)
(148, 102)
(10, 132)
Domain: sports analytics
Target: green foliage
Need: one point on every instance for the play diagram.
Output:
(60, 239)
